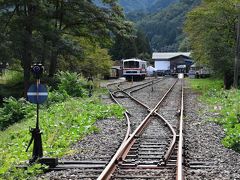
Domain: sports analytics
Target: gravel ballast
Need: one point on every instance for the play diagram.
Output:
(203, 140)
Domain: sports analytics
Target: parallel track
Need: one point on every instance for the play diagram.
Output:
(145, 149)
(153, 145)
(91, 169)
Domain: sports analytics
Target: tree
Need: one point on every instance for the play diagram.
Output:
(212, 35)
(85, 19)
(134, 46)
(19, 21)
(35, 30)
(142, 43)
(94, 60)
(124, 48)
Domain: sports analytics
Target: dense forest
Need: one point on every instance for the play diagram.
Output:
(164, 28)
(145, 6)
(160, 20)
(58, 34)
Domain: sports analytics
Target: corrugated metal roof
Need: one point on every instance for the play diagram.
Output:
(168, 55)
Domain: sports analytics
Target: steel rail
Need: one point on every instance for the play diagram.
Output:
(180, 142)
(135, 99)
(150, 81)
(122, 151)
(130, 96)
(112, 169)
(126, 116)
(173, 142)
(146, 83)
(113, 96)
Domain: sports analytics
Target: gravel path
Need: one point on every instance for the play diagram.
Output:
(203, 141)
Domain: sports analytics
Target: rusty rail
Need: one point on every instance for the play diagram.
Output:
(172, 145)
(126, 145)
(180, 142)
(126, 116)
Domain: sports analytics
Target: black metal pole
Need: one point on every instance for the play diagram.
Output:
(36, 134)
(37, 123)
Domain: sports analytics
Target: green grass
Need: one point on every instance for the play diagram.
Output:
(68, 116)
(225, 104)
(11, 77)
(203, 85)
(11, 84)
(62, 124)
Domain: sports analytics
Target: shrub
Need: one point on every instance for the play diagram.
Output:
(56, 96)
(12, 77)
(72, 84)
(14, 110)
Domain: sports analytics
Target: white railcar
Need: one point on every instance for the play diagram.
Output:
(134, 69)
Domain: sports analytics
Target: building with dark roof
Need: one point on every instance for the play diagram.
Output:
(172, 62)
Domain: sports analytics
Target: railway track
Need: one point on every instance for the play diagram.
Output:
(142, 154)
(135, 108)
(149, 152)
(153, 146)
(92, 168)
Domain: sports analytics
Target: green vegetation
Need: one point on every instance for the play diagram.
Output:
(212, 36)
(64, 120)
(72, 84)
(62, 124)
(125, 48)
(11, 77)
(56, 34)
(164, 28)
(14, 111)
(11, 84)
(225, 104)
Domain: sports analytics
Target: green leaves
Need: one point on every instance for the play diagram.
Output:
(211, 32)
(37, 32)
(72, 84)
(13, 111)
(225, 105)
(62, 123)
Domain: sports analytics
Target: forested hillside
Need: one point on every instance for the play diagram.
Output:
(165, 28)
(160, 20)
(144, 6)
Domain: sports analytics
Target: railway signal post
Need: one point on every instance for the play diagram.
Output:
(37, 94)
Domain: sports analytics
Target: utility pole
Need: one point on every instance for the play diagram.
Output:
(236, 65)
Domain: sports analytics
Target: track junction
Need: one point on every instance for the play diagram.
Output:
(152, 145)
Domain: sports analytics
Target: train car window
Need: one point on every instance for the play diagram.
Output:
(131, 64)
(143, 66)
